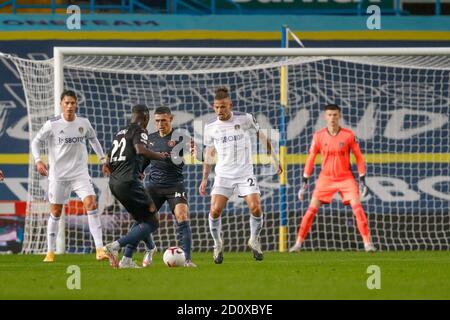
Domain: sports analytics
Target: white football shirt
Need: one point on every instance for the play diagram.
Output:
(68, 158)
(232, 140)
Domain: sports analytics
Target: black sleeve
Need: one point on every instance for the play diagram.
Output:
(140, 137)
(145, 163)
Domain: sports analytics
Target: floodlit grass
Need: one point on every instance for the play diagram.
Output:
(305, 275)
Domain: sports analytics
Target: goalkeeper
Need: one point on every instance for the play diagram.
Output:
(334, 145)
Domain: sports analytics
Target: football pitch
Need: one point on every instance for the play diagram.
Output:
(306, 275)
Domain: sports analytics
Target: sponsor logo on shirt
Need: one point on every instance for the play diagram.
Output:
(144, 137)
(70, 140)
(232, 138)
(341, 145)
(237, 127)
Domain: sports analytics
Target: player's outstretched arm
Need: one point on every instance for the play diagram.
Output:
(142, 150)
(210, 153)
(270, 150)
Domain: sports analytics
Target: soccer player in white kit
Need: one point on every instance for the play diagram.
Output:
(229, 135)
(68, 160)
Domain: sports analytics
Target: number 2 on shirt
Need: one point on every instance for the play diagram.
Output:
(116, 145)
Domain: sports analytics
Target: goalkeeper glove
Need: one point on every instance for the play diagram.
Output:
(363, 189)
(302, 191)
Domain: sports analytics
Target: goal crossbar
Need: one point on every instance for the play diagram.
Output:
(188, 51)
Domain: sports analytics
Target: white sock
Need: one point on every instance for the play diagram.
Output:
(116, 245)
(256, 224)
(215, 227)
(95, 226)
(126, 259)
(52, 233)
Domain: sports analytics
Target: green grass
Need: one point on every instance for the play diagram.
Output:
(307, 275)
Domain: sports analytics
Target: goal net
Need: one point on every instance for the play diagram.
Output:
(397, 103)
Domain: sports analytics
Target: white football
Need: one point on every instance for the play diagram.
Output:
(174, 257)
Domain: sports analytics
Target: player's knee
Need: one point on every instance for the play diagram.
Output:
(181, 212)
(89, 203)
(55, 213)
(255, 209)
(216, 211)
(316, 203)
(181, 217)
(354, 202)
(55, 210)
(91, 207)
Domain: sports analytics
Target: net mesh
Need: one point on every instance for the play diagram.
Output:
(398, 106)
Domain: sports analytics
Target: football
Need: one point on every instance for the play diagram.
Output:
(174, 257)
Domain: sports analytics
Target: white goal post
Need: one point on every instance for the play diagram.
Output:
(395, 99)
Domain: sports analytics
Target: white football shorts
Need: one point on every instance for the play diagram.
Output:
(59, 191)
(244, 186)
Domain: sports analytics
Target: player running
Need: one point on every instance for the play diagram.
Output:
(125, 164)
(334, 144)
(68, 160)
(229, 135)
